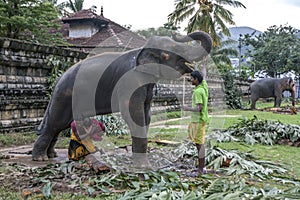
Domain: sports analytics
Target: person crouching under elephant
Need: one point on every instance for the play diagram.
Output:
(83, 133)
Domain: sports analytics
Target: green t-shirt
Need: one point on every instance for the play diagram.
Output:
(200, 96)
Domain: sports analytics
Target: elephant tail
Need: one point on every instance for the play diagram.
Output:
(249, 92)
(38, 129)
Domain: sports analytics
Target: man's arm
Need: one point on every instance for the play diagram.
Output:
(198, 108)
(203, 71)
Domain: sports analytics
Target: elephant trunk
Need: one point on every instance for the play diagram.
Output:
(203, 37)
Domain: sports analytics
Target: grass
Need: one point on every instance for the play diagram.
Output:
(16, 139)
(225, 118)
(280, 154)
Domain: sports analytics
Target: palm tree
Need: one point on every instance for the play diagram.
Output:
(77, 5)
(220, 55)
(209, 16)
(59, 6)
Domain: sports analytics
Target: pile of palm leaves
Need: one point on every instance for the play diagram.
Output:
(114, 124)
(260, 131)
(244, 178)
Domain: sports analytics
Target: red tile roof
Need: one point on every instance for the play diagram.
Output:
(83, 14)
(111, 36)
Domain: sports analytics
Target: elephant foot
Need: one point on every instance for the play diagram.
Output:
(141, 162)
(52, 154)
(40, 158)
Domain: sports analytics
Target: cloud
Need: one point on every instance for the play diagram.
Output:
(292, 2)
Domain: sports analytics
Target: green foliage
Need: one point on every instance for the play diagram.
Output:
(114, 124)
(12, 139)
(276, 51)
(58, 68)
(30, 20)
(255, 130)
(209, 16)
(160, 31)
(220, 55)
(233, 96)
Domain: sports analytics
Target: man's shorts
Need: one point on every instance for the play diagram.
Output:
(196, 132)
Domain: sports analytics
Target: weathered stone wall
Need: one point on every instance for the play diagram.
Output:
(23, 85)
(170, 95)
(23, 82)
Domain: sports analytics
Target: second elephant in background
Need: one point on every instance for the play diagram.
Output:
(272, 87)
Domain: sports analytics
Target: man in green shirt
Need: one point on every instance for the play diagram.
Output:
(199, 116)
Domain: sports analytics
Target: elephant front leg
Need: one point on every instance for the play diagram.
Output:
(277, 102)
(136, 119)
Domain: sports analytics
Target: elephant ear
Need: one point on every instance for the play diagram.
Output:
(150, 61)
(290, 81)
(145, 58)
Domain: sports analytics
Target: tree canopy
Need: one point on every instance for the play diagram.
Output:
(276, 51)
(30, 20)
(161, 31)
(209, 16)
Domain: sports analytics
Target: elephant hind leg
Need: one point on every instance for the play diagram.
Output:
(44, 146)
(51, 153)
(39, 151)
(253, 103)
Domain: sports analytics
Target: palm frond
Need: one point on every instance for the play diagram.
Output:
(235, 4)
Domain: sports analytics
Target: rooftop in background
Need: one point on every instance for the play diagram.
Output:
(88, 31)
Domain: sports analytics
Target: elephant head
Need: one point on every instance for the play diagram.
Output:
(168, 58)
(289, 85)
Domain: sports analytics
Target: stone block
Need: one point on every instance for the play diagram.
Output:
(6, 44)
(11, 79)
(3, 78)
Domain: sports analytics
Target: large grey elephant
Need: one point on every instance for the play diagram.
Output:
(113, 82)
(272, 87)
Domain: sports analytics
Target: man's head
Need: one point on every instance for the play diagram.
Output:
(197, 77)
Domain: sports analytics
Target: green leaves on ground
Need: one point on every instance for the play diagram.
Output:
(260, 131)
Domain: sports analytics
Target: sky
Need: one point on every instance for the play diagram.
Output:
(143, 14)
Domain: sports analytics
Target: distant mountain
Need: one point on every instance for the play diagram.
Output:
(235, 33)
(242, 30)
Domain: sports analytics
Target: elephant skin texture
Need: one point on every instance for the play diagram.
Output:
(117, 82)
(271, 87)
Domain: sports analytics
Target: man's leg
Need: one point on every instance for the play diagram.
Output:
(201, 157)
(200, 139)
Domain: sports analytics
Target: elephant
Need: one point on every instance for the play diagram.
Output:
(271, 87)
(118, 82)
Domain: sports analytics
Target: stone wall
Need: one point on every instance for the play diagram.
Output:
(23, 82)
(23, 85)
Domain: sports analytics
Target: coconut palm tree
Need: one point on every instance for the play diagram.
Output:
(207, 15)
(59, 6)
(77, 5)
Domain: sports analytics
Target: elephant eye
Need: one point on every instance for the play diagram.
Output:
(165, 56)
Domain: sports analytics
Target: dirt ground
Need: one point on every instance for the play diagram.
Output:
(19, 173)
(22, 155)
